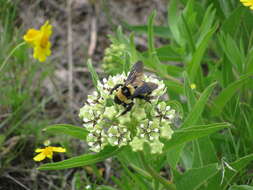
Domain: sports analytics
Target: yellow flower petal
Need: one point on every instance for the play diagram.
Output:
(193, 86)
(39, 149)
(46, 29)
(41, 53)
(247, 3)
(39, 157)
(31, 36)
(59, 149)
(50, 155)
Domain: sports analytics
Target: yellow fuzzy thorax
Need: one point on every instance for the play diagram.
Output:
(122, 97)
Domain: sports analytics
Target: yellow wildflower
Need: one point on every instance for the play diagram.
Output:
(47, 152)
(193, 86)
(247, 3)
(39, 40)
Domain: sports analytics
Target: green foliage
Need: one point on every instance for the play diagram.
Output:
(21, 94)
(86, 159)
(211, 46)
(74, 131)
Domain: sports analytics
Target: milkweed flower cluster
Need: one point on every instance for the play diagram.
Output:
(247, 3)
(114, 54)
(39, 40)
(145, 123)
(115, 51)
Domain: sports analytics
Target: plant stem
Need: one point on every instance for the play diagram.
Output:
(10, 54)
(169, 185)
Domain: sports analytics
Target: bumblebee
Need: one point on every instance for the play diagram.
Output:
(133, 87)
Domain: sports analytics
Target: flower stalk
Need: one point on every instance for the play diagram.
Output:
(168, 184)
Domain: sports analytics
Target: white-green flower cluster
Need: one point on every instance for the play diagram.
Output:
(113, 55)
(145, 123)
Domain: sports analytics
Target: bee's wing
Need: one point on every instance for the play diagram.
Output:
(146, 88)
(136, 75)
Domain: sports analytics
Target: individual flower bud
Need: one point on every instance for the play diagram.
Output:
(125, 119)
(110, 112)
(137, 144)
(139, 113)
(148, 130)
(86, 113)
(166, 131)
(122, 46)
(118, 135)
(156, 147)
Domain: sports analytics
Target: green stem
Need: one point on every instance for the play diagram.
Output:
(10, 54)
(169, 185)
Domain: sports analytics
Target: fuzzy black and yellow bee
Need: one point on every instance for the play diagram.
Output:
(134, 87)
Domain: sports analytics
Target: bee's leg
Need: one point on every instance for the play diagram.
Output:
(146, 98)
(128, 108)
(115, 88)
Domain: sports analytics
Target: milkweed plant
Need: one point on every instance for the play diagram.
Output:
(146, 122)
(196, 131)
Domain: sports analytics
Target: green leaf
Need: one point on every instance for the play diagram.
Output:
(226, 94)
(234, 53)
(207, 23)
(194, 178)
(238, 165)
(74, 131)
(93, 73)
(173, 155)
(233, 21)
(198, 108)
(105, 187)
(2, 138)
(188, 134)
(161, 31)
(188, 92)
(204, 152)
(168, 53)
(173, 18)
(151, 44)
(194, 65)
(241, 187)
(188, 33)
(141, 171)
(174, 86)
(84, 160)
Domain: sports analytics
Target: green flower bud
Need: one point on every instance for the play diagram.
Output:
(139, 113)
(110, 112)
(166, 131)
(137, 144)
(122, 47)
(156, 147)
(118, 135)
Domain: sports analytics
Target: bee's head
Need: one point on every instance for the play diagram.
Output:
(125, 90)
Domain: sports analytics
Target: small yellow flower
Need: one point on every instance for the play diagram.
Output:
(47, 152)
(193, 86)
(39, 40)
(247, 3)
